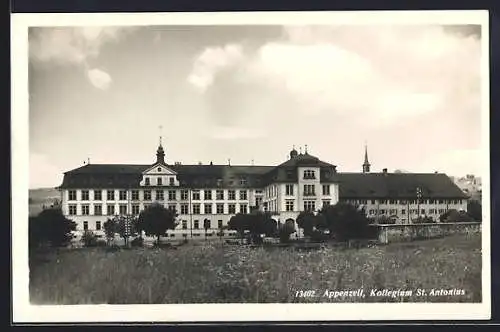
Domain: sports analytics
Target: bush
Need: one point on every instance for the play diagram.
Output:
(89, 239)
(319, 236)
(285, 230)
(424, 220)
(137, 242)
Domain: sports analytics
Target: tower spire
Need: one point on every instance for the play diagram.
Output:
(160, 153)
(366, 164)
(161, 127)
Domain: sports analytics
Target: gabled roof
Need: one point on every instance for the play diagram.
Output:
(397, 185)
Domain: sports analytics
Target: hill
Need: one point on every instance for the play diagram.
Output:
(42, 197)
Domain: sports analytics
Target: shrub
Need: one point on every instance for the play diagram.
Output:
(50, 227)
(89, 239)
(286, 229)
(345, 221)
(424, 220)
(318, 236)
(137, 242)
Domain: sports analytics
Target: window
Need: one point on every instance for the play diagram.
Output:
(243, 182)
(85, 195)
(110, 210)
(432, 201)
(85, 210)
(196, 224)
(371, 212)
(393, 201)
(373, 201)
(97, 195)
(159, 181)
(98, 210)
(159, 195)
(72, 195)
(231, 208)
(135, 195)
(422, 211)
(135, 209)
(72, 209)
(219, 223)
(326, 190)
(363, 201)
(208, 208)
(184, 194)
(393, 211)
(146, 181)
(159, 169)
(244, 208)
(309, 190)
(383, 201)
(309, 205)
(110, 195)
(196, 195)
(123, 209)
(184, 209)
(326, 202)
(220, 208)
(147, 195)
(441, 211)
(403, 211)
(85, 225)
(231, 195)
(289, 190)
(208, 195)
(184, 224)
(309, 174)
(258, 201)
(172, 207)
(441, 201)
(171, 195)
(382, 211)
(123, 195)
(243, 195)
(289, 205)
(97, 225)
(402, 202)
(196, 208)
(219, 194)
(258, 191)
(171, 181)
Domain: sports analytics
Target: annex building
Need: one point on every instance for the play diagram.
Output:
(95, 192)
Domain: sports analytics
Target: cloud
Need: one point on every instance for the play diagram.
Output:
(456, 162)
(378, 76)
(74, 46)
(212, 60)
(100, 79)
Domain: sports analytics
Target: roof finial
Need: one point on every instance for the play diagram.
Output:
(306, 148)
(229, 161)
(161, 127)
(88, 160)
(300, 149)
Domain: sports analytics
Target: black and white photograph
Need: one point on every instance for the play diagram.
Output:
(292, 164)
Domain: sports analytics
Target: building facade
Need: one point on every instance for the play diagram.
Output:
(95, 192)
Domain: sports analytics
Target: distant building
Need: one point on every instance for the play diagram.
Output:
(470, 184)
(94, 192)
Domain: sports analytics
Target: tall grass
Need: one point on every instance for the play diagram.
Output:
(212, 273)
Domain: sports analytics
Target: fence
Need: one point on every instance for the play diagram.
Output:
(410, 232)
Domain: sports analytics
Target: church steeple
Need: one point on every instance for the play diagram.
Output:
(366, 164)
(160, 153)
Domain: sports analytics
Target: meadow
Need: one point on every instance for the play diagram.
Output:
(215, 273)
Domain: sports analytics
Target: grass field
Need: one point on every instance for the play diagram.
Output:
(211, 273)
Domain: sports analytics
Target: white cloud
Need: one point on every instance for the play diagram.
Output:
(457, 162)
(43, 173)
(100, 79)
(210, 61)
(378, 75)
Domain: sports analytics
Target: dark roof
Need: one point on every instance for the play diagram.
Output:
(124, 176)
(397, 185)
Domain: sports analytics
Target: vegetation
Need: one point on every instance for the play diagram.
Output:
(285, 230)
(307, 221)
(155, 220)
(344, 221)
(256, 223)
(474, 209)
(50, 228)
(89, 239)
(207, 273)
(456, 216)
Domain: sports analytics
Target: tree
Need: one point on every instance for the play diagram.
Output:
(307, 221)
(286, 229)
(474, 209)
(423, 220)
(206, 226)
(238, 223)
(156, 220)
(453, 215)
(124, 226)
(109, 229)
(89, 239)
(52, 228)
(345, 221)
(256, 223)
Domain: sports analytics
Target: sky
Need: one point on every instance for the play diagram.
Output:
(411, 93)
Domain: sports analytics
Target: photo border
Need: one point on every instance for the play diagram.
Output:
(25, 312)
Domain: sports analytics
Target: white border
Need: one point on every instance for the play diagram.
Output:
(24, 312)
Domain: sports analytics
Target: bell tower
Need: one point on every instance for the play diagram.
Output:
(160, 153)
(366, 164)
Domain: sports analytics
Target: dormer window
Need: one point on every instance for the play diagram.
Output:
(309, 174)
(159, 181)
(146, 182)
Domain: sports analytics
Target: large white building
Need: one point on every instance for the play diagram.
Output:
(93, 193)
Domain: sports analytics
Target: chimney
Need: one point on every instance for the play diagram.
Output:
(211, 163)
(384, 170)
